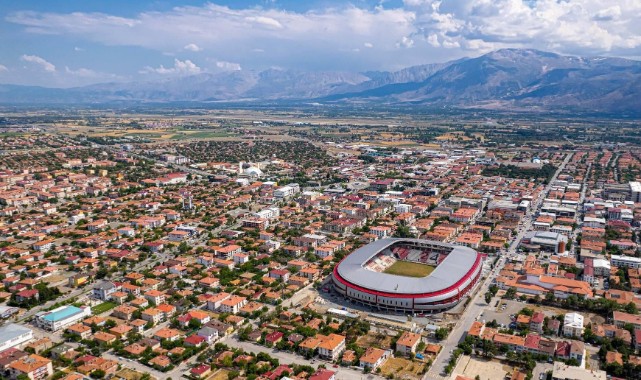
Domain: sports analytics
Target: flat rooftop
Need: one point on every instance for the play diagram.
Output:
(62, 313)
(12, 331)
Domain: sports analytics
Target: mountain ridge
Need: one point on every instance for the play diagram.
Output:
(506, 78)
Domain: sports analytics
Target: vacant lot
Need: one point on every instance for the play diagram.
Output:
(486, 369)
(405, 268)
(377, 340)
(402, 368)
(103, 307)
(221, 374)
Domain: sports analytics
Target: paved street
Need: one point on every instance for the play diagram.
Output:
(477, 304)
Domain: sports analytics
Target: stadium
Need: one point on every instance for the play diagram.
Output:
(408, 275)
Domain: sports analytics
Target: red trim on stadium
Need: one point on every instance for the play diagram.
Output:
(409, 295)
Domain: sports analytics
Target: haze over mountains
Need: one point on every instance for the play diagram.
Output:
(504, 79)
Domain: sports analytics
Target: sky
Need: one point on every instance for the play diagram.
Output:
(78, 42)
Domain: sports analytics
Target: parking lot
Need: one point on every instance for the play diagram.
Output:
(500, 314)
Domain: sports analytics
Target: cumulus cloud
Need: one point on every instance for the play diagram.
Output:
(418, 31)
(228, 66)
(43, 63)
(572, 26)
(185, 67)
(193, 47)
(405, 42)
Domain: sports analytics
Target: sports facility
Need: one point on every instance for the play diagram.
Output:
(409, 269)
(408, 275)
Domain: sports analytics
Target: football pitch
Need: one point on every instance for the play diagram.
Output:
(408, 269)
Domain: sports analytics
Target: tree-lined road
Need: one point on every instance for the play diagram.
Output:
(477, 303)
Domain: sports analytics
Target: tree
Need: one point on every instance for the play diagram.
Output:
(631, 308)
(441, 333)
(403, 231)
(511, 292)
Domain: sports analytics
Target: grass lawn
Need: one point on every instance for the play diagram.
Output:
(408, 269)
(105, 306)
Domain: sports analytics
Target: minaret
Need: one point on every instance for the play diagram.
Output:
(240, 167)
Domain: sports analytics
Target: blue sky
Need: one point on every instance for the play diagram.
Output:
(73, 43)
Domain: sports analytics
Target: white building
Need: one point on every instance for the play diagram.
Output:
(61, 317)
(625, 261)
(286, 191)
(12, 335)
(573, 325)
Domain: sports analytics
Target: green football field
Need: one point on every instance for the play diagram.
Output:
(408, 269)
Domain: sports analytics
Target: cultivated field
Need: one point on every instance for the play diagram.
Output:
(408, 269)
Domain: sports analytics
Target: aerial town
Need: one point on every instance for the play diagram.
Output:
(261, 245)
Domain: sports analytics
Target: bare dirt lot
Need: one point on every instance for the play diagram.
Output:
(486, 369)
(375, 340)
(402, 368)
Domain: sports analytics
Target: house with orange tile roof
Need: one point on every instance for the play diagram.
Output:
(374, 358)
(33, 366)
(407, 343)
(155, 297)
(331, 346)
(168, 334)
(513, 342)
(233, 304)
(104, 338)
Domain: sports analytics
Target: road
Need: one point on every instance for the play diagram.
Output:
(27, 315)
(477, 303)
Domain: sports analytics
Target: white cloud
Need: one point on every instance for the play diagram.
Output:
(265, 21)
(405, 42)
(185, 67)
(228, 66)
(3, 68)
(44, 64)
(419, 31)
(193, 47)
(81, 72)
(78, 49)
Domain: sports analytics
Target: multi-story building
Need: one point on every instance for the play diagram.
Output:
(61, 317)
(407, 343)
(103, 290)
(573, 325)
(331, 346)
(35, 367)
(233, 304)
(13, 334)
(625, 261)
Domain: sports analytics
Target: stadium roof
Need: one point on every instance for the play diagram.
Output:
(454, 267)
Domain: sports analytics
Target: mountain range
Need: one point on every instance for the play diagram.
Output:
(509, 79)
